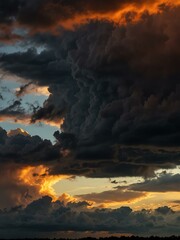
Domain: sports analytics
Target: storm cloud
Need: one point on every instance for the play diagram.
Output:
(115, 88)
(45, 215)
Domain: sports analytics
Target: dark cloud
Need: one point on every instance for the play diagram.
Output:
(44, 215)
(27, 149)
(164, 210)
(165, 183)
(43, 14)
(14, 109)
(22, 90)
(14, 112)
(117, 87)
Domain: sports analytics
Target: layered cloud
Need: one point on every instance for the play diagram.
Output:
(119, 195)
(166, 183)
(53, 217)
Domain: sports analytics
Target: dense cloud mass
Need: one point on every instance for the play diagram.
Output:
(44, 215)
(117, 89)
(20, 148)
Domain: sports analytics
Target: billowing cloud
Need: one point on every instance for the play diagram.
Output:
(111, 97)
(52, 217)
(30, 149)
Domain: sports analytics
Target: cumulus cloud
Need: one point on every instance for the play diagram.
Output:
(45, 215)
(26, 149)
(115, 87)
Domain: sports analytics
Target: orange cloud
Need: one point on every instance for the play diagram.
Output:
(32, 89)
(71, 14)
(113, 198)
(26, 120)
(50, 15)
(38, 177)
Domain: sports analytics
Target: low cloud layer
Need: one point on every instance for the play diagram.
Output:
(44, 215)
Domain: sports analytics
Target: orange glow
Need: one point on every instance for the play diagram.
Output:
(39, 177)
(26, 120)
(54, 123)
(35, 90)
(119, 16)
(17, 131)
(66, 198)
(125, 12)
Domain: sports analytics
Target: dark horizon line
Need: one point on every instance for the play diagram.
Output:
(173, 237)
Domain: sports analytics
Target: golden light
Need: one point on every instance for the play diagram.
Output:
(39, 177)
(120, 15)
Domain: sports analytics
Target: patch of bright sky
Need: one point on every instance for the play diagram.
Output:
(18, 47)
(83, 185)
(172, 171)
(155, 200)
(42, 130)
(7, 88)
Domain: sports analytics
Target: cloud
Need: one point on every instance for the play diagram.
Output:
(24, 167)
(30, 88)
(164, 210)
(121, 194)
(29, 149)
(114, 89)
(164, 183)
(52, 217)
(68, 13)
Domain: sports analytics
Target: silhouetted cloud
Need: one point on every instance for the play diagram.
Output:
(45, 215)
(165, 183)
(118, 98)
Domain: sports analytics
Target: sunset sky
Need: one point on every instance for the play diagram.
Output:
(89, 118)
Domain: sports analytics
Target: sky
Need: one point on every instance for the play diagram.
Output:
(89, 118)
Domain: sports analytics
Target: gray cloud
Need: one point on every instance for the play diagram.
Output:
(116, 86)
(26, 149)
(164, 183)
(44, 215)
